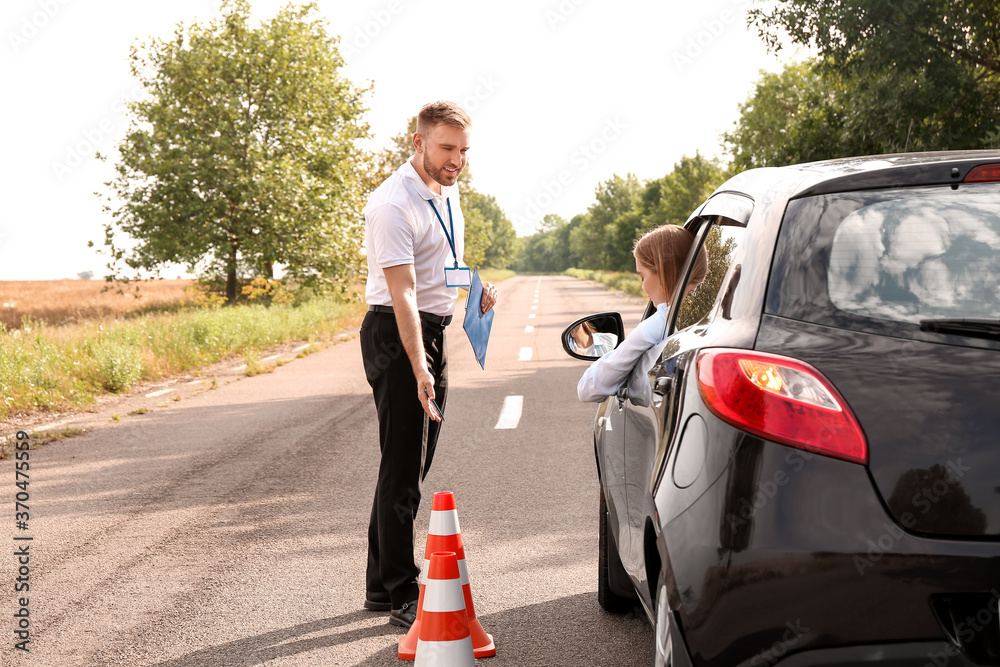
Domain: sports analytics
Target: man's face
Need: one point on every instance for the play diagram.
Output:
(444, 149)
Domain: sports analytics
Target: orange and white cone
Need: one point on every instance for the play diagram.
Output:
(444, 535)
(444, 629)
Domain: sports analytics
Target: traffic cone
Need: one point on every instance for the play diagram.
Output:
(444, 535)
(444, 629)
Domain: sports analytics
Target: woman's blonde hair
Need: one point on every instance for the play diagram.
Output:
(664, 249)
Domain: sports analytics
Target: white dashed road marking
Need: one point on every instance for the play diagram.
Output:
(529, 329)
(510, 414)
(531, 316)
(525, 354)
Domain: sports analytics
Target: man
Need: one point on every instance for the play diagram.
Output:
(414, 231)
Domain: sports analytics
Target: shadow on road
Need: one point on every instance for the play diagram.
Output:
(553, 633)
(282, 643)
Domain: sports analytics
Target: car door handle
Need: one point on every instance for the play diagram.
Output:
(622, 397)
(662, 385)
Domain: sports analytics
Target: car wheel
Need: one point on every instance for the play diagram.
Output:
(664, 646)
(611, 576)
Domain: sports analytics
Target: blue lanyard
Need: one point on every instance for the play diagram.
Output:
(451, 238)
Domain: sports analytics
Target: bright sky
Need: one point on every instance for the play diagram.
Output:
(563, 94)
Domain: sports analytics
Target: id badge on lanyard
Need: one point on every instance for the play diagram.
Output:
(456, 276)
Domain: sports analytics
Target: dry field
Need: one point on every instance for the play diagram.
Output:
(65, 301)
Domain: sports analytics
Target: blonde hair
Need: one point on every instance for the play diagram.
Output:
(664, 249)
(436, 113)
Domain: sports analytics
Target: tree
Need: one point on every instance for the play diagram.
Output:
(674, 197)
(243, 154)
(603, 238)
(489, 233)
(613, 214)
(896, 75)
(873, 35)
(548, 249)
(790, 117)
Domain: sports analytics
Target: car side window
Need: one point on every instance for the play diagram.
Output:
(715, 294)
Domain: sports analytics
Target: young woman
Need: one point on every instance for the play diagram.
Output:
(659, 257)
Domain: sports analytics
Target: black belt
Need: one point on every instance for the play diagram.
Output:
(440, 320)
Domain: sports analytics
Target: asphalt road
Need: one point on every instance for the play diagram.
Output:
(228, 526)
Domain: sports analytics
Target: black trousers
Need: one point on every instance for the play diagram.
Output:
(407, 439)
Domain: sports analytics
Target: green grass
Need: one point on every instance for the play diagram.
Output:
(45, 367)
(628, 282)
(496, 275)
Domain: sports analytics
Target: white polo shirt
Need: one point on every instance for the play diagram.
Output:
(401, 228)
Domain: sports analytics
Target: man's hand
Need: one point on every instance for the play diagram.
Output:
(489, 297)
(425, 392)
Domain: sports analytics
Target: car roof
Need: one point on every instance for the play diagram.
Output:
(857, 173)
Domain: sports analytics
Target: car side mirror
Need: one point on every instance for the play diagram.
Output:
(593, 336)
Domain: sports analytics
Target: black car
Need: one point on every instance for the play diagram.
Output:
(809, 474)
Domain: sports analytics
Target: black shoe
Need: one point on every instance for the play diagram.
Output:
(377, 601)
(404, 616)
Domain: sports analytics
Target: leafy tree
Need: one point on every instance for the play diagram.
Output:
(892, 76)
(587, 241)
(790, 117)
(873, 35)
(243, 153)
(489, 233)
(674, 197)
(603, 238)
(613, 215)
(548, 249)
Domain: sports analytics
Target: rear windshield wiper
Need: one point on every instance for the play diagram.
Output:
(978, 328)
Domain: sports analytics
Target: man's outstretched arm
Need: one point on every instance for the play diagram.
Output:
(402, 283)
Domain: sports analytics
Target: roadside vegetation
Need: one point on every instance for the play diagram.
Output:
(624, 281)
(58, 367)
(53, 367)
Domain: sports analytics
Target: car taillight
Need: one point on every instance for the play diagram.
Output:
(984, 173)
(780, 399)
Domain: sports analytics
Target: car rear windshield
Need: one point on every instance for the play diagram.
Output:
(886, 260)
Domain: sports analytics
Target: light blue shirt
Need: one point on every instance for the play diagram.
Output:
(609, 373)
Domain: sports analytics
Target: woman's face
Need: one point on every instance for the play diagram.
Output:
(650, 283)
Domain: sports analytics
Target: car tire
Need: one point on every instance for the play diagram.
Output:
(611, 576)
(664, 619)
